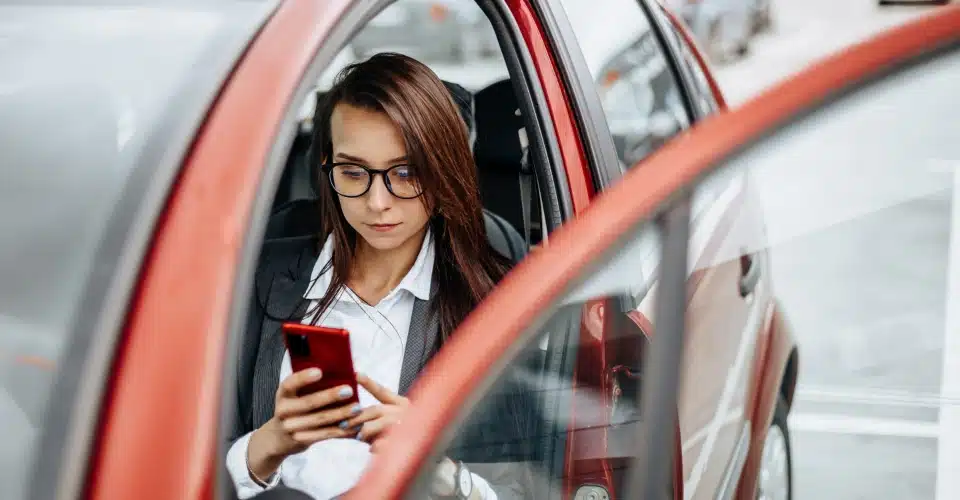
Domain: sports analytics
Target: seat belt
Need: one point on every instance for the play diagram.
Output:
(526, 186)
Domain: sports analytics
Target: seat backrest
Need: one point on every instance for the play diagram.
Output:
(499, 152)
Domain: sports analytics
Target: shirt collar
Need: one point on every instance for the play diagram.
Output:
(417, 281)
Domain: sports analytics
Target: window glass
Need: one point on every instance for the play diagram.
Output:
(846, 222)
(565, 413)
(453, 37)
(81, 91)
(642, 101)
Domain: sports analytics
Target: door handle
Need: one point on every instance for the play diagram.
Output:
(749, 274)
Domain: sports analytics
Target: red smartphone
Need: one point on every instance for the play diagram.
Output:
(325, 348)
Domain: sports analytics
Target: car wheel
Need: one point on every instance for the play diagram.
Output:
(775, 478)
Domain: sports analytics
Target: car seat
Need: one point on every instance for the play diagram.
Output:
(506, 178)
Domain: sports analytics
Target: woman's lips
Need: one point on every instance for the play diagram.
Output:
(382, 228)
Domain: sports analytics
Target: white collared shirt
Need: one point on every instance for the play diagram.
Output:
(378, 337)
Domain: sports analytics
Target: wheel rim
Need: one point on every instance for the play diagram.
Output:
(774, 483)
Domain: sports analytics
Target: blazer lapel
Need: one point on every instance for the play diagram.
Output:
(422, 340)
(284, 302)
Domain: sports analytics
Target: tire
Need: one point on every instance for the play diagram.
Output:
(775, 477)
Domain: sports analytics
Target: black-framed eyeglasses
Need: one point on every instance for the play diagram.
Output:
(353, 180)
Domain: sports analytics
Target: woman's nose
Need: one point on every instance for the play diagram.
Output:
(379, 197)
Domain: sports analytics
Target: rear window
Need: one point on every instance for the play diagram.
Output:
(82, 89)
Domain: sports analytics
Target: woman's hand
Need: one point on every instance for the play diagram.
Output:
(377, 419)
(299, 421)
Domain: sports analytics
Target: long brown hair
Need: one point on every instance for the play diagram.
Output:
(466, 267)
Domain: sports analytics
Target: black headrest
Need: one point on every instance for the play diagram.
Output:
(498, 124)
(463, 98)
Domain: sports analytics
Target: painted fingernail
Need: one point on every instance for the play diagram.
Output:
(346, 392)
(314, 373)
(357, 428)
(344, 424)
(356, 409)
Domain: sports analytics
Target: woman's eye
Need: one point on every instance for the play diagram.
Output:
(404, 173)
(353, 174)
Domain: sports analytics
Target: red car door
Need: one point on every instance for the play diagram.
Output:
(800, 148)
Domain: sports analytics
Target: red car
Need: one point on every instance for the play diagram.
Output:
(145, 147)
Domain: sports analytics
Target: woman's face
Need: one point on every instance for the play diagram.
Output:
(371, 139)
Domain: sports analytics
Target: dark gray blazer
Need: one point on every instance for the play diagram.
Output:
(282, 276)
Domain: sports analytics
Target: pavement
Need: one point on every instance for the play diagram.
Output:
(868, 298)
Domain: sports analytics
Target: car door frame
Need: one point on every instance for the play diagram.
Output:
(664, 191)
(161, 352)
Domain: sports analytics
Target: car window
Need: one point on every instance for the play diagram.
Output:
(453, 37)
(565, 413)
(642, 101)
(860, 251)
(81, 91)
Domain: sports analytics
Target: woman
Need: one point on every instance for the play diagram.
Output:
(403, 259)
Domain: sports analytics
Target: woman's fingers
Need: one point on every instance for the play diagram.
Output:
(325, 418)
(368, 414)
(384, 395)
(290, 385)
(372, 429)
(306, 438)
(292, 406)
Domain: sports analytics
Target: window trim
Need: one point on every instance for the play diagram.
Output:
(595, 136)
(676, 69)
(665, 23)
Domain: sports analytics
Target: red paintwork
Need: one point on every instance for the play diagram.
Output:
(774, 352)
(581, 465)
(565, 127)
(160, 416)
(159, 433)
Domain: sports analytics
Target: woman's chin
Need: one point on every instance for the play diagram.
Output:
(383, 242)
